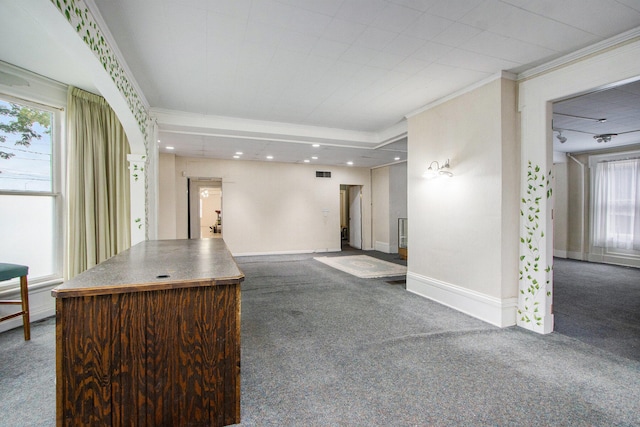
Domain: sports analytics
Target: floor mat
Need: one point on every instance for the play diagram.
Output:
(364, 266)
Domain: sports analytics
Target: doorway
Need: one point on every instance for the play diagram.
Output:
(205, 208)
(351, 215)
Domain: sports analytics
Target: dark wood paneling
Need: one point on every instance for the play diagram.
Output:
(154, 358)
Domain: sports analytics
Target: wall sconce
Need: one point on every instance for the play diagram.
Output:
(444, 170)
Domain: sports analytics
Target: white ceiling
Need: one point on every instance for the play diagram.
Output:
(580, 119)
(331, 66)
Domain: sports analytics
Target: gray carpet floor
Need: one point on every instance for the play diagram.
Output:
(323, 348)
(598, 304)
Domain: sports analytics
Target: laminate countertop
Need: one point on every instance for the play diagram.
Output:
(155, 265)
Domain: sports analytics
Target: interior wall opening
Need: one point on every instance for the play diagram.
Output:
(205, 208)
(351, 216)
(595, 298)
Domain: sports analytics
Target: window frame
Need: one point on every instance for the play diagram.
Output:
(605, 254)
(58, 163)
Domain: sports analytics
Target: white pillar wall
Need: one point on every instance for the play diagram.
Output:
(615, 65)
(137, 179)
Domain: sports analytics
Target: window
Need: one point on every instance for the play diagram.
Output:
(26, 149)
(616, 213)
(30, 188)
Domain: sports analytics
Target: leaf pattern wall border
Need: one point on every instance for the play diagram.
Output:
(538, 187)
(81, 19)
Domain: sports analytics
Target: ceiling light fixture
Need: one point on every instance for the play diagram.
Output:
(314, 158)
(396, 158)
(316, 145)
(443, 170)
(306, 160)
(239, 153)
(269, 157)
(561, 138)
(605, 137)
(236, 157)
(169, 148)
(350, 163)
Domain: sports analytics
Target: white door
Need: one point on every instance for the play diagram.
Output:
(355, 216)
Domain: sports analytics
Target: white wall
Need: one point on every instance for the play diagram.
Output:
(380, 199)
(462, 230)
(560, 209)
(167, 196)
(272, 207)
(397, 201)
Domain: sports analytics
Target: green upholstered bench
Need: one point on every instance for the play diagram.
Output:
(11, 271)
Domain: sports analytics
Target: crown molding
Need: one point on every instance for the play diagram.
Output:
(594, 49)
(111, 42)
(497, 76)
(233, 127)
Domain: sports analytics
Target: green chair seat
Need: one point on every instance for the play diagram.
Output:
(11, 271)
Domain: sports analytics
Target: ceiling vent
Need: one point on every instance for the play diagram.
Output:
(323, 174)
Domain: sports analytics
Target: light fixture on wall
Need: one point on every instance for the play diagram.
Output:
(444, 170)
(560, 137)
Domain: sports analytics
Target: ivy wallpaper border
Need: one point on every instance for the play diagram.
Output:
(538, 187)
(81, 19)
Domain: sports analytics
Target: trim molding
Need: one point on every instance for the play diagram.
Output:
(382, 247)
(496, 311)
(575, 255)
(173, 121)
(497, 76)
(594, 49)
(560, 254)
(307, 251)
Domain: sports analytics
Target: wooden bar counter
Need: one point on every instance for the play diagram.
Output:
(151, 337)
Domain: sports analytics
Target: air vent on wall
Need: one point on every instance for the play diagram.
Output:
(323, 174)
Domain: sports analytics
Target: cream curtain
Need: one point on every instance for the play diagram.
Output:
(616, 215)
(97, 181)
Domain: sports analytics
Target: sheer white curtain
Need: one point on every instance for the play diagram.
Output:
(616, 215)
(98, 182)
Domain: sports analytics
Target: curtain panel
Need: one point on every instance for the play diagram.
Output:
(98, 182)
(616, 215)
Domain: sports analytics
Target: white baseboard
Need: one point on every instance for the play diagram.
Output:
(496, 311)
(615, 260)
(41, 305)
(575, 255)
(305, 251)
(382, 247)
(559, 254)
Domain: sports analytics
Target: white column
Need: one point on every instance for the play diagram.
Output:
(535, 294)
(137, 180)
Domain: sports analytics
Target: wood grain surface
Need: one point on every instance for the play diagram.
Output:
(154, 358)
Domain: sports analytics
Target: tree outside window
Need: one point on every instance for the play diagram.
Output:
(25, 148)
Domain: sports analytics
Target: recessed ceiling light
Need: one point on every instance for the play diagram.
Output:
(169, 148)
(158, 140)
(307, 160)
(239, 153)
(236, 157)
(350, 163)
(316, 145)
(396, 158)
(269, 157)
(314, 158)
